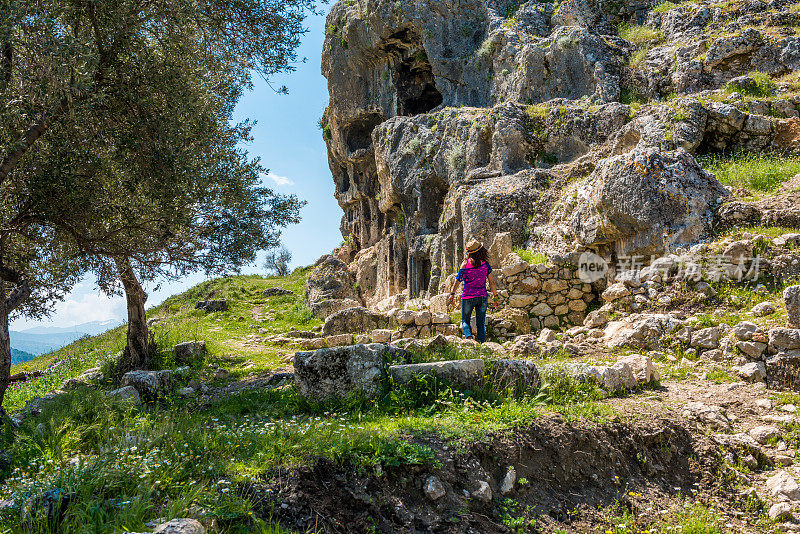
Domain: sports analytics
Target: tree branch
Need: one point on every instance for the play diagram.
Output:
(20, 293)
(29, 138)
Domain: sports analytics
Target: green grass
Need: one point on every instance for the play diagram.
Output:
(694, 518)
(768, 231)
(126, 465)
(760, 172)
(530, 257)
(763, 85)
(181, 322)
(639, 34)
(663, 7)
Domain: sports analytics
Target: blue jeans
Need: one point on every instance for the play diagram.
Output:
(480, 305)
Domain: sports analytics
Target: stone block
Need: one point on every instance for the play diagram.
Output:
(339, 340)
(337, 373)
(381, 336)
(149, 384)
(463, 374)
(189, 352)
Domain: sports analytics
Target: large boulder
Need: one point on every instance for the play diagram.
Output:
(149, 384)
(639, 330)
(783, 339)
(180, 526)
(330, 280)
(189, 352)
(463, 374)
(276, 291)
(645, 202)
(643, 368)
(325, 308)
(353, 321)
(339, 372)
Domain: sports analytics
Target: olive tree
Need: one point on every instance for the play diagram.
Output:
(116, 149)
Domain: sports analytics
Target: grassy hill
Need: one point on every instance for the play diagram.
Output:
(126, 465)
(178, 321)
(243, 460)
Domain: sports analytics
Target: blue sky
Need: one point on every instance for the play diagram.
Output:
(290, 145)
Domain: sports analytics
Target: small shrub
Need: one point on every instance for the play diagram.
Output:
(530, 257)
(457, 157)
(636, 59)
(630, 96)
(762, 85)
(537, 111)
(639, 34)
(663, 7)
(486, 49)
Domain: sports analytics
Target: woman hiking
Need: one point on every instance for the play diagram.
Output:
(474, 272)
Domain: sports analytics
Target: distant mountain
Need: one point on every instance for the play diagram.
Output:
(43, 339)
(19, 356)
(92, 328)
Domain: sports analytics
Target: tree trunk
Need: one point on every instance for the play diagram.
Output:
(7, 305)
(137, 349)
(5, 347)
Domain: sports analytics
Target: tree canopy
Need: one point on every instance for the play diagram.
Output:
(116, 142)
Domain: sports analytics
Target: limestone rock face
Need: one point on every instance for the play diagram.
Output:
(330, 280)
(337, 373)
(456, 120)
(646, 201)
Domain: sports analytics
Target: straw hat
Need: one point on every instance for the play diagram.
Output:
(473, 245)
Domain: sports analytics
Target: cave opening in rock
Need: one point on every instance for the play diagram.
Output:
(430, 202)
(358, 134)
(416, 86)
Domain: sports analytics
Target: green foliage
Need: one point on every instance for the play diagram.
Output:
(537, 111)
(639, 34)
(763, 85)
(761, 172)
(457, 157)
(663, 7)
(631, 97)
(530, 257)
(486, 50)
(637, 58)
(117, 141)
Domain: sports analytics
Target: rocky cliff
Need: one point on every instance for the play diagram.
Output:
(536, 121)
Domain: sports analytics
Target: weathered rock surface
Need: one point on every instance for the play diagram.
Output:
(330, 281)
(639, 330)
(353, 320)
(180, 526)
(149, 384)
(518, 376)
(645, 201)
(339, 372)
(275, 291)
(189, 352)
(791, 296)
(464, 374)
